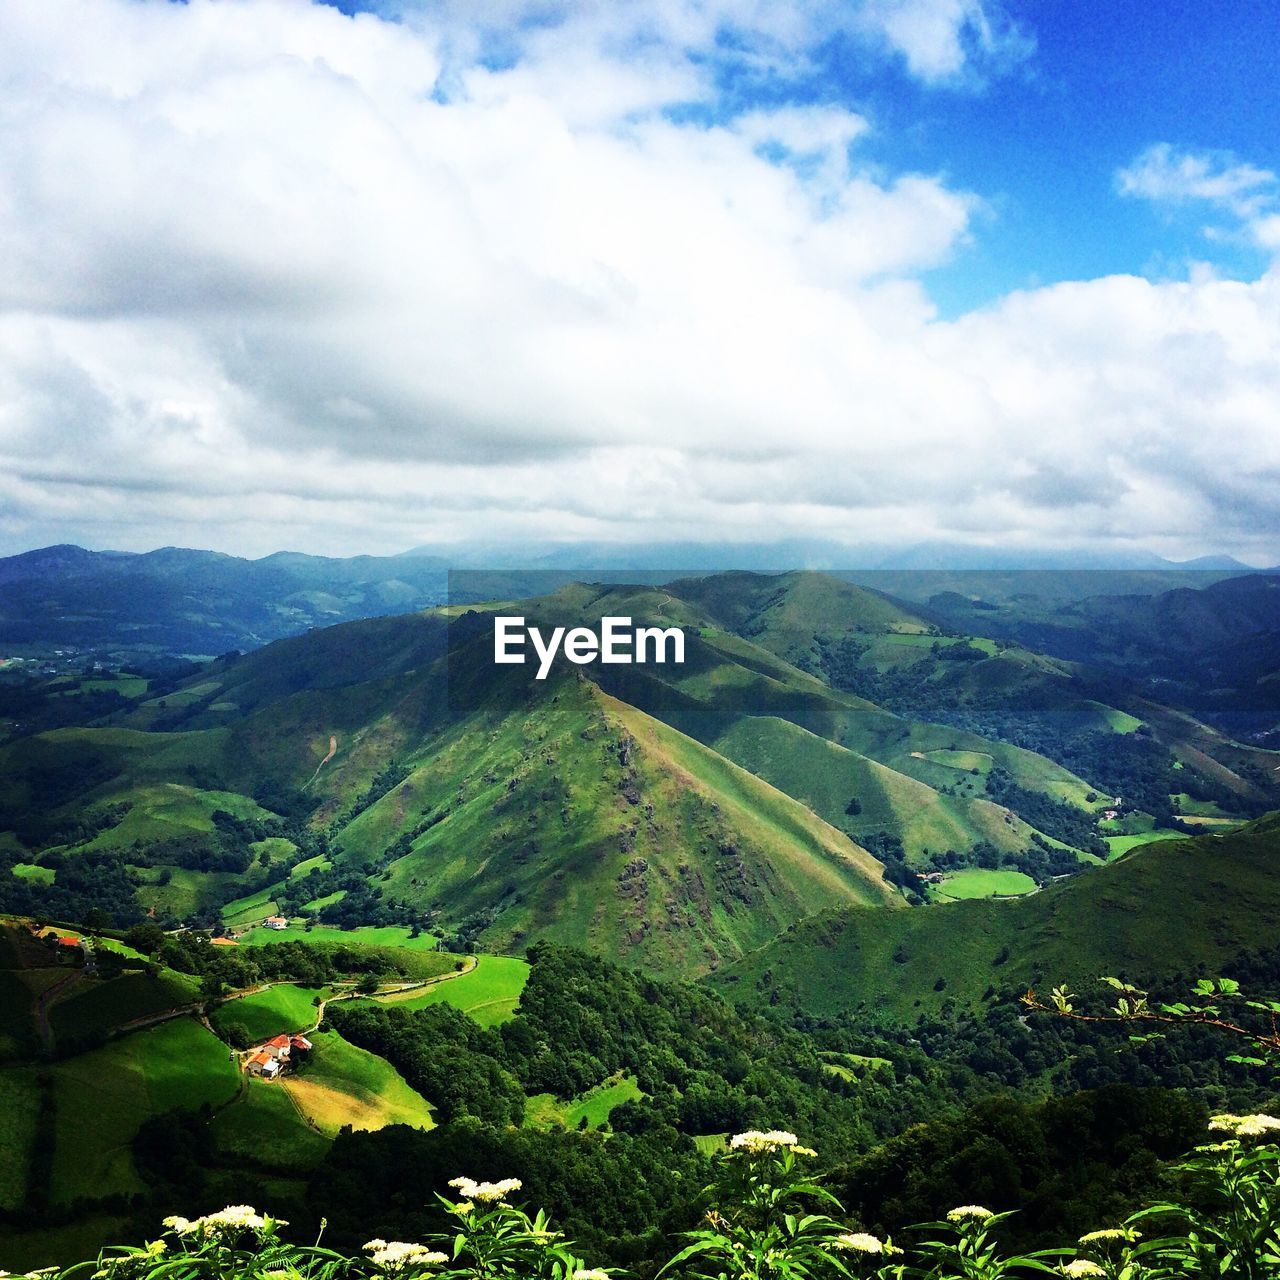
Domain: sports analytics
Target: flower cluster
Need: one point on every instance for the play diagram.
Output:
(235, 1217)
(969, 1213)
(591, 1273)
(1255, 1126)
(1107, 1235)
(394, 1255)
(862, 1242)
(754, 1141)
(1081, 1268)
(486, 1192)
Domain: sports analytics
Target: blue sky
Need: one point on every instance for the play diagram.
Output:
(287, 274)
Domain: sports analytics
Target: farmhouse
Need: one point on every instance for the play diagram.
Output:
(262, 1064)
(275, 922)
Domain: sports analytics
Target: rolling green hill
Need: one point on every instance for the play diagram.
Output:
(1166, 908)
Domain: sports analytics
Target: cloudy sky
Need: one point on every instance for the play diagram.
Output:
(355, 277)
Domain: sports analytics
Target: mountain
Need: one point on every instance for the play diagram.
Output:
(821, 745)
(175, 600)
(1166, 911)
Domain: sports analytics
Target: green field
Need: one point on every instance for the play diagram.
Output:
(969, 761)
(977, 882)
(342, 1085)
(96, 1007)
(33, 872)
(283, 1007)
(1119, 845)
(393, 935)
(264, 1126)
(251, 909)
(489, 993)
(19, 1109)
(545, 1111)
(102, 1097)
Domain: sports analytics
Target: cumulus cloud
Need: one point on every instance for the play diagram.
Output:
(275, 276)
(1216, 180)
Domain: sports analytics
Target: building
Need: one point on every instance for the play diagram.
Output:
(300, 1043)
(262, 1064)
(275, 922)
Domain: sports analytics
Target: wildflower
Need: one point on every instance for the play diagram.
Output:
(1082, 1267)
(1107, 1234)
(1255, 1126)
(755, 1141)
(804, 1151)
(969, 1213)
(179, 1225)
(860, 1242)
(591, 1273)
(486, 1191)
(391, 1255)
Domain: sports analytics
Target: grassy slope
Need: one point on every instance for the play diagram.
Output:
(489, 992)
(545, 1111)
(1166, 908)
(343, 1085)
(96, 1007)
(280, 1008)
(583, 818)
(103, 1097)
(825, 777)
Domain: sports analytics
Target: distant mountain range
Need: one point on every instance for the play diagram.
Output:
(824, 744)
(176, 600)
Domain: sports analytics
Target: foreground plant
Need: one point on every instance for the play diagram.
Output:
(768, 1219)
(765, 1226)
(1233, 1226)
(235, 1241)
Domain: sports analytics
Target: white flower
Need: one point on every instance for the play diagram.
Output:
(860, 1242)
(591, 1273)
(486, 1191)
(804, 1151)
(1082, 1267)
(391, 1255)
(183, 1226)
(1110, 1233)
(969, 1213)
(754, 1141)
(1255, 1126)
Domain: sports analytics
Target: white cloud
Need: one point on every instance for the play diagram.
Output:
(1216, 180)
(277, 277)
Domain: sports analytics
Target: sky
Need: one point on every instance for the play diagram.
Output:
(357, 277)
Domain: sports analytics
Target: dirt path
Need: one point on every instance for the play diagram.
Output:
(333, 748)
(45, 1001)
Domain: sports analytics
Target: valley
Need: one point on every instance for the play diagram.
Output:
(600, 920)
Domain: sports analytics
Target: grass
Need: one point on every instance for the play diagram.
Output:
(399, 936)
(826, 777)
(103, 1097)
(251, 909)
(34, 873)
(341, 1085)
(264, 1126)
(280, 1008)
(489, 993)
(96, 1007)
(978, 882)
(19, 1108)
(1120, 845)
(545, 1111)
(1189, 903)
(966, 760)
